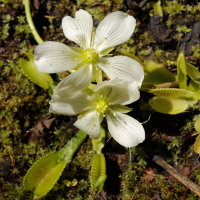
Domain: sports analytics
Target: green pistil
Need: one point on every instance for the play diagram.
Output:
(90, 55)
(102, 106)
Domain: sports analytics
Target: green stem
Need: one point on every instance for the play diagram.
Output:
(70, 148)
(31, 24)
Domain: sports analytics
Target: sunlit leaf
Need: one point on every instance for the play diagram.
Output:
(98, 172)
(156, 73)
(182, 63)
(49, 180)
(181, 71)
(157, 7)
(168, 105)
(197, 125)
(39, 170)
(193, 86)
(197, 145)
(171, 92)
(120, 108)
(30, 70)
(193, 73)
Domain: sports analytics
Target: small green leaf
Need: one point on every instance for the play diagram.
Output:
(197, 125)
(99, 143)
(39, 170)
(49, 180)
(84, 113)
(30, 70)
(67, 182)
(197, 145)
(157, 7)
(106, 51)
(182, 63)
(168, 105)
(120, 108)
(98, 172)
(100, 180)
(193, 86)
(156, 73)
(181, 71)
(193, 73)
(171, 92)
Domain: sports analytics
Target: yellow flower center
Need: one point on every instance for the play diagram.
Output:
(102, 106)
(90, 55)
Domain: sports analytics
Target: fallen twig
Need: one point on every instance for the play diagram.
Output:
(183, 179)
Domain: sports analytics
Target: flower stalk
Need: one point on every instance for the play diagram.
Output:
(30, 22)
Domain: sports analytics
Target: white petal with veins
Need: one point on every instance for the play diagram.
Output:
(53, 57)
(122, 67)
(90, 124)
(79, 29)
(71, 104)
(117, 91)
(124, 129)
(77, 81)
(116, 28)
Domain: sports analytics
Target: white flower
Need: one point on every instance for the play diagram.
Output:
(106, 99)
(115, 29)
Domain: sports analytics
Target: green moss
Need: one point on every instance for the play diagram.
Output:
(173, 8)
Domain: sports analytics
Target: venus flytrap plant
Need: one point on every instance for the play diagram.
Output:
(88, 60)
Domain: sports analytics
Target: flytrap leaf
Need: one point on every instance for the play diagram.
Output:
(99, 143)
(43, 175)
(193, 73)
(171, 92)
(30, 70)
(197, 142)
(182, 71)
(156, 73)
(168, 105)
(193, 86)
(98, 172)
(197, 145)
(45, 172)
(197, 125)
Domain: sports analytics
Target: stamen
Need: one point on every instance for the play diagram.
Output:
(93, 33)
(76, 58)
(97, 68)
(101, 96)
(104, 115)
(100, 42)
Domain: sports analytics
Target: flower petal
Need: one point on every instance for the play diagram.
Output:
(114, 29)
(53, 57)
(77, 81)
(122, 67)
(90, 124)
(78, 29)
(70, 104)
(124, 129)
(117, 91)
